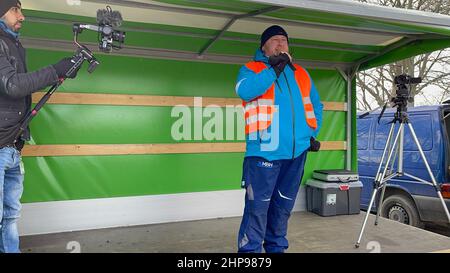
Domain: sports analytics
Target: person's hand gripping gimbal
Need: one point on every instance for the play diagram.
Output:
(64, 66)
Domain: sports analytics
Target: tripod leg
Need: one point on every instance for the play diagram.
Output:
(372, 199)
(399, 153)
(380, 202)
(378, 180)
(386, 148)
(438, 190)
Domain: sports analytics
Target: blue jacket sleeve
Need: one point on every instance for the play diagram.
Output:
(251, 85)
(318, 107)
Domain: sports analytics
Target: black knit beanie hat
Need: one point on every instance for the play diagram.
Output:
(272, 31)
(5, 5)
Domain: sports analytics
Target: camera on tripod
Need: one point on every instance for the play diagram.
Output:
(403, 83)
(403, 91)
(402, 96)
(393, 151)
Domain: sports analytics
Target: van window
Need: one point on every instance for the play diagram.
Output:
(363, 131)
(422, 125)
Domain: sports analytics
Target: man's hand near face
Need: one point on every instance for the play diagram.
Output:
(279, 62)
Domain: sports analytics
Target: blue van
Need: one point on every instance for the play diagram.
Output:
(406, 200)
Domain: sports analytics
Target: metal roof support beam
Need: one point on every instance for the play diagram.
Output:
(388, 49)
(62, 45)
(142, 5)
(231, 22)
(347, 49)
(397, 45)
(359, 30)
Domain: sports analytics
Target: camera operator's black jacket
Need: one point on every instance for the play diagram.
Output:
(16, 86)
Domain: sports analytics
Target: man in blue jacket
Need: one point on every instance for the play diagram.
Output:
(283, 115)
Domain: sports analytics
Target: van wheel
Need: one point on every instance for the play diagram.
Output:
(401, 209)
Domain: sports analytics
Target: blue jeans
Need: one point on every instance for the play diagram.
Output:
(11, 188)
(271, 190)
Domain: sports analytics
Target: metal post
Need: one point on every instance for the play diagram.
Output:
(348, 165)
(400, 150)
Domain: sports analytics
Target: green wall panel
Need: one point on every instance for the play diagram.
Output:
(89, 124)
(145, 76)
(330, 84)
(156, 77)
(72, 178)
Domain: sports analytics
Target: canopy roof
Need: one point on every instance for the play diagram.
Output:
(323, 33)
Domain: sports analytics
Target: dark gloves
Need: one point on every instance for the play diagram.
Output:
(279, 62)
(315, 145)
(63, 67)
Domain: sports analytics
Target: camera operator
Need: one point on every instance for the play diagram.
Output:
(16, 87)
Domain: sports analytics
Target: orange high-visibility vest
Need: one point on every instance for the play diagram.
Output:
(259, 111)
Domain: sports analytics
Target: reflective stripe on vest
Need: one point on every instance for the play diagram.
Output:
(304, 84)
(259, 111)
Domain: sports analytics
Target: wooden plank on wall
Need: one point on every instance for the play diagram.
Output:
(149, 100)
(334, 106)
(139, 149)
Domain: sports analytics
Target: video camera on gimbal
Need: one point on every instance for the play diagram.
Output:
(107, 21)
(108, 37)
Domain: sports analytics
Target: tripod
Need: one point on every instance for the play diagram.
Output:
(381, 178)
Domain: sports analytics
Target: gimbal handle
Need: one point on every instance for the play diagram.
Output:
(82, 54)
(36, 109)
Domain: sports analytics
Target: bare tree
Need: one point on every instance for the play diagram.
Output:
(374, 86)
